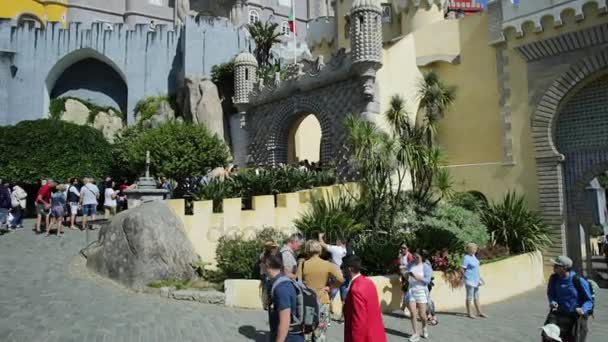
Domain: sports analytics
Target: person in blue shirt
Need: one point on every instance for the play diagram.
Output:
(283, 302)
(570, 303)
(472, 279)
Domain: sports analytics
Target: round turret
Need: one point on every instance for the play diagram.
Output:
(245, 76)
(366, 31)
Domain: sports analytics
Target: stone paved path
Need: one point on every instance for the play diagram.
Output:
(46, 296)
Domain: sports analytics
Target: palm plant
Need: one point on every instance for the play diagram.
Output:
(435, 98)
(265, 35)
(424, 162)
(334, 216)
(512, 224)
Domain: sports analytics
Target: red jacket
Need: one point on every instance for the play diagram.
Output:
(362, 316)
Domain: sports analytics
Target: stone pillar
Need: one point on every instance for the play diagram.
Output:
(366, 47)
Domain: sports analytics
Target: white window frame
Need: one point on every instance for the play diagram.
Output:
(156, 2)
(254, 16)
(387, 7)
(285, 28)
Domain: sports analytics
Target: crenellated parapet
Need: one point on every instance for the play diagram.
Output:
(530, 17)
(402, 5)
(321, 30)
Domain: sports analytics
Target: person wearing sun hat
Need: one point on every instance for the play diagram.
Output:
(570, 300)
(550, 333)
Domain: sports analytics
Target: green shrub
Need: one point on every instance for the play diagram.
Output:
(451, 228)
(511, 224)
(468, 201)
(32, 150)
(335, 217)
(249, 182)
(176, 150)
(148, 106)
(237, 255)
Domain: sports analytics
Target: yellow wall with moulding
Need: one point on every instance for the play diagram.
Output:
(45, 11)
(504, 279)
(204, 228)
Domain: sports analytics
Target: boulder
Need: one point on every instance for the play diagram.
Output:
(200, 102)
(75, 112)
(109, 124)
(143, 245)
(209, 108)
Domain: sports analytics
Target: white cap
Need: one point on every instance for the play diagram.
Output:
(552, 331)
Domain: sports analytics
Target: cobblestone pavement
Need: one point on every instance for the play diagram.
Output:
(45, 295)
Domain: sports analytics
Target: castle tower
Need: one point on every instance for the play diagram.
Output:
(366, 42)
(245, 77)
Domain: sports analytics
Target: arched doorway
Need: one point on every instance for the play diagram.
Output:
(581, 136)
(570, 128)
(304, 140)
(88, 75)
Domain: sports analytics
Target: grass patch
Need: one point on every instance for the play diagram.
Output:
(178, 284)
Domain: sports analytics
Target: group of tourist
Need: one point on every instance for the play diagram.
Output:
(286, 275)
(58, 204)
(305, 165)
(283, 272)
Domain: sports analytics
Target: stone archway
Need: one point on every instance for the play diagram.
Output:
(304, 139)
(269, 124)
(561, 173)
(87, 74)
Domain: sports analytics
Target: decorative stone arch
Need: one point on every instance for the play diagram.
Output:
(287, 117)
(554, 200)
(70, 59)
(268, 124)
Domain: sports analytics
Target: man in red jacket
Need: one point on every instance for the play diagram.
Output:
(362, 316)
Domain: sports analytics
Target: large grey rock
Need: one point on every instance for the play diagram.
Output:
(209, 108)
(201, 103)
(75, 112)
(143, 245)
(109, 124)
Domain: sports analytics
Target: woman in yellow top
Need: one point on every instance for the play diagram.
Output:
(315, 273)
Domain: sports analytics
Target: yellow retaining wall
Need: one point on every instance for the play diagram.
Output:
(205, 227)
(504, 279)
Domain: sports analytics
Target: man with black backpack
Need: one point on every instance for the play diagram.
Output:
(570, 300)
(284, 310)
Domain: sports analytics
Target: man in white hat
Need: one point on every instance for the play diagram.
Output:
(550, 333)
(570, 300)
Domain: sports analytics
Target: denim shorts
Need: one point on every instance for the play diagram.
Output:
(89, 210)
(472, 292)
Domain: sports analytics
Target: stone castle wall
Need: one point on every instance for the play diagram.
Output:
(150, 60)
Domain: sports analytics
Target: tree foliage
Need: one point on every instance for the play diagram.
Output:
(435, 98)
(177, 150)
(265, 35)
(33, 150)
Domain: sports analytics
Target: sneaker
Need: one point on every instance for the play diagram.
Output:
(425, 333)
(414, 338)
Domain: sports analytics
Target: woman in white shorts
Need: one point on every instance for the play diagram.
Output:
(417, 296)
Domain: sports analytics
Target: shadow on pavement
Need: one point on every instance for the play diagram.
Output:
(396, 333)
(253, 334)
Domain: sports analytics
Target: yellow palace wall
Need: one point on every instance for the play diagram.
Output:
(472, 131)
(44, 10)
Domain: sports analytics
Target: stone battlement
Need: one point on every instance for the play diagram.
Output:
(204, 227)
